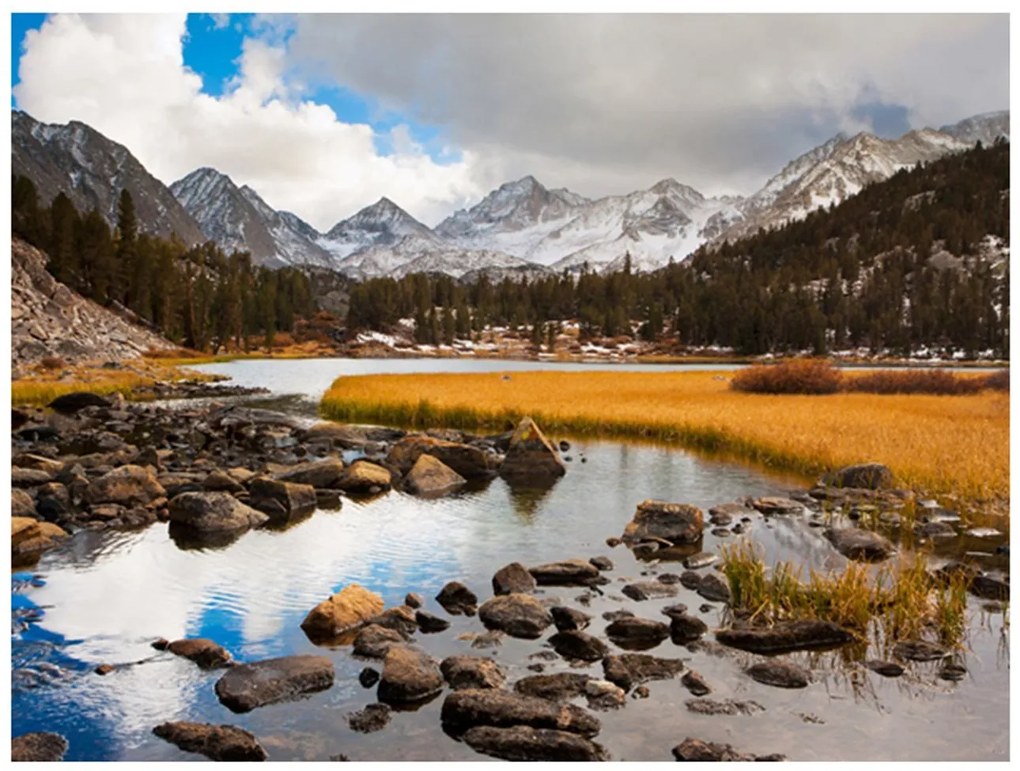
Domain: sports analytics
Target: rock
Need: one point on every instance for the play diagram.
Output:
(474, 707)
(519, 615)
(885, 668)
(324, 473)
(432, 478)
(216, 742)
(457, 599)
(374, 641)
(647, 590)
(401, 619)
(602, 563)
(30, 538)
(700, 560)
(569, 619)
(221, 481)
(919, 650)
(206, 653)
(711, 587)
(29, 477)
(105, 669)
(988, 587)
(868, 476)
(785, 636)
(612, 542)
(578, 645)
(175, 484)
(368, 677)
(629, 669)
(773, 506)
(524, 743)
(128, 485)
(695, 683)
(857, 544)
(952, 671)
(343, 611)
(472, 672)
(247, 686)
(39, 746)
(78, 400)
(603, 695)
(282, 501)
(409, 675)
(512, 578)
(213, 512)
(530, 455)
(363, 476)
(22, 505)
(727, 707)
(491, 639)
(429, 623)
(414, 600)
(677, 523)
(561, 686)
(641, 632)
(465, 460)
(22, 529)
(684, 628)
(574, 572)
(699, 751)
(372, 718)
(615, 615)
(781, 674)
(934, 530)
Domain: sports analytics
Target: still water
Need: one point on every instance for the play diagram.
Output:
(106, 596)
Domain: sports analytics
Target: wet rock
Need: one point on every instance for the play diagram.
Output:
(247, 686)
(530, 455)
(457, 599)
(648, 590)
(401, 619)
(684, 628)
(700, 751)
(989, 587)
(128, 485)
(221, 481)
(725, 513)
(629, 669)
(781, 674)
(324, 473)
(604, 695)
(721, 532)
(105, 669)
(677, 523)
(700, 560)
(695, 683)
(690, 580)
(919, 650)
(364, 477)
(328, 500)
(574, 572)
(774, 506)
(368, 677)
(578, 645)
(519, 615)
(561, 686)
(785, 636)
(524, 743)
(512, 578)
(40, 746)
(953, 672)
(213, 512)
(569, 619)
(601, 562)
(429, 622)
(282, 501)
(372, 718)
(206, 653)
(867, 476)
(491, 639)
(616, 615)
(216, 742)
(414, 600)
(857, 544)
(430, 477)
(345, 610)
(463, 672)
(727, 707)
(711, 587)
(885, 668)
(409, 675)
(612, 542)
(640, 632)
(934, 530)
(465, 460)
(374, 641)
(77, 401)
(489, 707)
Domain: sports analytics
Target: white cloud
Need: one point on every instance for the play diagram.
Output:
(125, 76)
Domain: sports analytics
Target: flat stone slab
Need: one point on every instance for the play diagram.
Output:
(216, 742)
(468, 708)
(786, 636)
(533, 744)
(247, 686)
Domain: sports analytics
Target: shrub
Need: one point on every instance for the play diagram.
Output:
(929, 381)
(998, 381)
(794, 376)
(51, 362)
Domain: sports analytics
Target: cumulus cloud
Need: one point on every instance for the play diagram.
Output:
(125, 76)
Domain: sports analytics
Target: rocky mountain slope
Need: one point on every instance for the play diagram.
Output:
(48, 319)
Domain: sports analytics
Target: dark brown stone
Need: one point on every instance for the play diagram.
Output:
(216, 742)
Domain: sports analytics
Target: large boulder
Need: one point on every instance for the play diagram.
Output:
(345, 610)
(857, 544)
(868, 476)
(247, 686)
(519, 615)
(468, 461)
(409, 675)
(40, 746)
(364, 477)
(678, 523)
(785, 636)
(430, 477)
(525, 743)
(512, 578)
(472, 672)
(128, 485)
(213, 512)
(323, 474)
(216, 742)
(281, 501)
(530, 455)
(474, 707)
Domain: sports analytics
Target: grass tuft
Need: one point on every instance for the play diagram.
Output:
(793, 376)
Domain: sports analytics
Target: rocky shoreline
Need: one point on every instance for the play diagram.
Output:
(212, 472)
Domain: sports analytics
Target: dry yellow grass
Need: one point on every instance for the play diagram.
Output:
(935, 444)
(45, 385)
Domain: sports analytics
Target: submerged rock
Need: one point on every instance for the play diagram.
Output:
(785, 636)
(346, 609)
(216, 742)
(409, 675)
(519, 615)
(781, 674)
(700, 751)
(727, 707)
(463, 672)
(648, 590)
(677, 523)
(885, 668)
(247, 686)
(530, 455)
(629, 669)
(561, 686)
(501, 709)
(372, 718)
(919, 650)
(525, 743)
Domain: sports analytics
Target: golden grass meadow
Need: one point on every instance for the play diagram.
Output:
(956, 445)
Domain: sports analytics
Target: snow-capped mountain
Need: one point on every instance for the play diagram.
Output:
(91, 170)
(237, 218)
(381, 224)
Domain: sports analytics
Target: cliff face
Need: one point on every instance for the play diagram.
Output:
(49, 319)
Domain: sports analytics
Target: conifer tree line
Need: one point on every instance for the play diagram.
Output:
(199, 297)
(867, 273)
